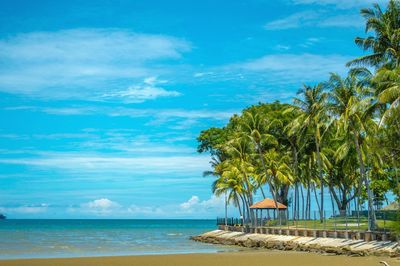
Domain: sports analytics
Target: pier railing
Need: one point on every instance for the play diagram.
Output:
(332, 224)
(230, 221)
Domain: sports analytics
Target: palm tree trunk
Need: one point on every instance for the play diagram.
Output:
(240, 210)
(293, 207)
(308, 201)
(302, 201)
(249, 201)
(272, 188)
(316, 198)
(372, 218)
(295, 165)
(321, 179)
(246, 213)
(397, 190)
(332, 202)
(249, 215)
(262, 192)
(243, 208)
(295, 202)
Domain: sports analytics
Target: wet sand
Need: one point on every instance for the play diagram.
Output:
(250, 258)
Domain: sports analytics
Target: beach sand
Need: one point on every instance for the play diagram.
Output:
(250, 258)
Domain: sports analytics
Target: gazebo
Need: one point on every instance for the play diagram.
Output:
(267, 204)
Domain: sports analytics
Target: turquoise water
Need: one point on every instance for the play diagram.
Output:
(76, 238)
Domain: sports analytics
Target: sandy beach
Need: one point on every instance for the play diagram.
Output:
(253, 258)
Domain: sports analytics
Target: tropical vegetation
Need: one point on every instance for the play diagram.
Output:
(340, 136)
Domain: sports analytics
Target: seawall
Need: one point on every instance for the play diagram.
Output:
(301, 243)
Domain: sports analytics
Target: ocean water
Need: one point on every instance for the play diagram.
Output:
(78, 238)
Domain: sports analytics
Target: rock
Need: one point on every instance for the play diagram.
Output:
(306, 244)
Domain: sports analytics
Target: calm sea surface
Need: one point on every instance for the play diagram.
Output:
(75, 238)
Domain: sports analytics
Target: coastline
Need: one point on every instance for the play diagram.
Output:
(253, 258)
(336, 246)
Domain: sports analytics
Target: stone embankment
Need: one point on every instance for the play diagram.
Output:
(300, 243)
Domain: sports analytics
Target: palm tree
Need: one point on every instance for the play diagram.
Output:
(350, 103)
(313, 119)
(278, 169)
(387, 85)
(384, 44)
(253, 128)
(342, 169)
(230, 182)
(307, 169)
(239, 152)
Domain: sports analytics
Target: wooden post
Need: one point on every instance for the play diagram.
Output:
(255, 224)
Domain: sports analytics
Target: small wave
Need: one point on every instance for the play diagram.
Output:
(174, 234)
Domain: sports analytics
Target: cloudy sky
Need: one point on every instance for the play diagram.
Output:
(101, 101)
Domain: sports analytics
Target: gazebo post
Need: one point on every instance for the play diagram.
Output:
(255, 223)
(267, 204)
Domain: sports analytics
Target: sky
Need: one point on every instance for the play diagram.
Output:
(101, 101)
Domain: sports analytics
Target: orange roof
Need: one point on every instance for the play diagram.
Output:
(267, 204)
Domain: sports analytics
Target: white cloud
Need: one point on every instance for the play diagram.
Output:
(213, 202)
(98, 207)
(163, 115)
(292, 21)
(145, 210)
(202, 74)
(101, 204)
(25, 209)
(310, 42)
(82, 63)
(194, 204)
(76, 162)
(342, 21)
(137, 144)
(194, 200)
(106, 207)
(289, 68)
(316, 18)
(282, 47)
(341, 4)
(141, 93)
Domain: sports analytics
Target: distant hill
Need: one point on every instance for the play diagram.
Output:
(2, 217)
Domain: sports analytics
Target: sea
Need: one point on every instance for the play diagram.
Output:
(87, 238)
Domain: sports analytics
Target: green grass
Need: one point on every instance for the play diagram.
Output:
(338, 223)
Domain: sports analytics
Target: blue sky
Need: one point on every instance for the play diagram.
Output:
(101, 101)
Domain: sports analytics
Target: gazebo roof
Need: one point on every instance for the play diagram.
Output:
(267, 204)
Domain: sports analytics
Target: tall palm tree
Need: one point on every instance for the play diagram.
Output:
(239, 151)
(384, 44)
(230, 181)
(312, 119)
(253, 128)
(350, 103)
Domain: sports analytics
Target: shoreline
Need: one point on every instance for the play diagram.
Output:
(240, 249)
(335, 246)
(253, 258)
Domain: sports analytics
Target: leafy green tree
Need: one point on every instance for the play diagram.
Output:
(387, 89)
(349, 102)
(384, 43)
(253, 127)
(312, 118)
